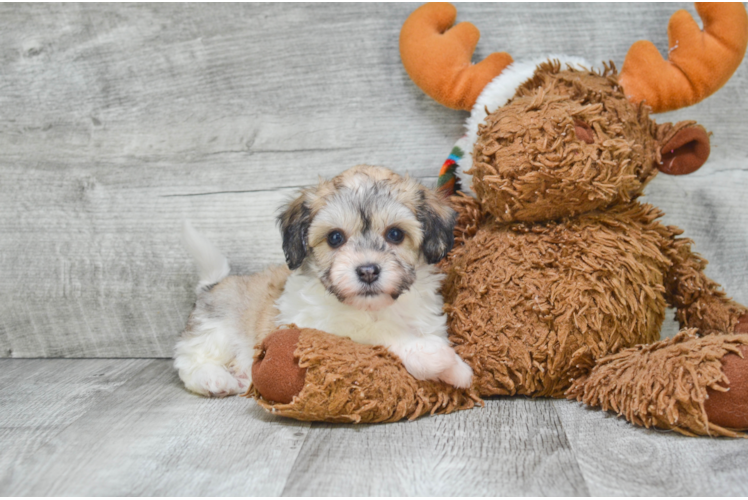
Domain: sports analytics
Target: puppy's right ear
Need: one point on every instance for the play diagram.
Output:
(294, 225)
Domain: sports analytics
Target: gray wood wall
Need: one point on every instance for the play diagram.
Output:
(119, 121)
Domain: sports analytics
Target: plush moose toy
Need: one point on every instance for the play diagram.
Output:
(560, 276)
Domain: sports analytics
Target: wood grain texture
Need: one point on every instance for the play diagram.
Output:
(618, 459)
(128, 427)
(511, 447)
(119, 121)
(41, 398)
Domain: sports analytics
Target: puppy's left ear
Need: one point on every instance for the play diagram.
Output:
(294, 225)
(438, 223)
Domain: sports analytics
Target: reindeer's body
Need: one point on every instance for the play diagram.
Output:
(563, 265)
(532, 307)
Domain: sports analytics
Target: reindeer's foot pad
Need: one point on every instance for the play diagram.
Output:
(742, 326)
(276, 372)
(675, 384)
(343, 381)
(728, 406)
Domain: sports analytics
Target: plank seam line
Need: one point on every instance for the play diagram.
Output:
(296, 460)
(238, 191)
(572, 448)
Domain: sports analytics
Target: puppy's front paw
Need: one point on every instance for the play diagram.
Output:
(459, 374)
(425, 360)
(434, 361)
(214, 380)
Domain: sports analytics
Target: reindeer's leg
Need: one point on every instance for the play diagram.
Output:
(699, 301)
(310, 375)
(680, 384)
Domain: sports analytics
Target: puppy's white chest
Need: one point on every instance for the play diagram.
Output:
(416, 314)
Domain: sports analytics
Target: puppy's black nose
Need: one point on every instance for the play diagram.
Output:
(368, 273)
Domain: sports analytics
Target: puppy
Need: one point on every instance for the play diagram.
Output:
(360, 252)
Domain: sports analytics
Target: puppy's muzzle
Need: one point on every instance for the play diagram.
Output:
(368, 273)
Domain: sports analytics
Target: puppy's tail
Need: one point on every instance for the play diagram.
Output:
(211, 264)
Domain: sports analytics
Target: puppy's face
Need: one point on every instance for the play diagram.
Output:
(364, 233)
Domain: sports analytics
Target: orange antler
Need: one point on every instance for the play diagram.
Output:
(699, 62)
(437, 58)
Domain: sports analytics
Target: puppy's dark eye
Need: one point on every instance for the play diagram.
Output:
(394, 235)
(335, 238)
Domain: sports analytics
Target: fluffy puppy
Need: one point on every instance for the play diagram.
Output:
(360, 252)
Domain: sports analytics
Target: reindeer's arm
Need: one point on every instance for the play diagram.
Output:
(700, 302)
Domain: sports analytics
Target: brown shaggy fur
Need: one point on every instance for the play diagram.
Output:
(531, 307)
(557, 273)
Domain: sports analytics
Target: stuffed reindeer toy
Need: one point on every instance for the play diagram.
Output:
(559, 279)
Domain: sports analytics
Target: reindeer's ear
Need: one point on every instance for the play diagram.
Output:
(438, 224)
(685, 148)
(294, 225)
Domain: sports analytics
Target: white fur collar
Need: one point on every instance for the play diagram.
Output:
(416, 313)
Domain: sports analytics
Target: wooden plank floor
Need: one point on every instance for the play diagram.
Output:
(127, 427)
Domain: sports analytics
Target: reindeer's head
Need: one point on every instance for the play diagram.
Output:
(546, 141)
